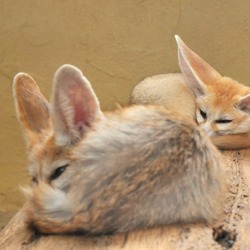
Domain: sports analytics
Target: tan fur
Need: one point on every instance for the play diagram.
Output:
(200, 87)
(138, 167)
(162, 90)
(29, 97)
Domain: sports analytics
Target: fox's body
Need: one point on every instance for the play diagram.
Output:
(220, 105)
(168, 90)
(138, 167)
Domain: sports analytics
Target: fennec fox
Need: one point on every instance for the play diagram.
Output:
(220, 105)
(137, 167)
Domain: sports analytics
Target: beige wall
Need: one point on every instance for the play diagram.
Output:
(116, 43)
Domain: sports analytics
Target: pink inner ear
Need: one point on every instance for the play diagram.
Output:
(245, 103)
(190, 76)
(82, 116)
(196, 71)
(203, 70)
(185, 67)
(79, 99)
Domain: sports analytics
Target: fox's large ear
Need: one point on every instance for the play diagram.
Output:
(244, 103)
(196, 71)
(74, 105)
(32, 108)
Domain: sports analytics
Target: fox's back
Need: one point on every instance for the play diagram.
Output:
(169, 90)
(151, 157)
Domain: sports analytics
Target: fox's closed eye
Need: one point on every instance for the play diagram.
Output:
(34, 180)
(203, 114)
(223, 121)
(58, 172)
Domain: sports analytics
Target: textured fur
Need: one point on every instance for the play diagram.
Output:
(137, 167)
(201, 89)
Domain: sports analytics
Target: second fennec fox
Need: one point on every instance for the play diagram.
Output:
(219, 104)
(134, 168)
